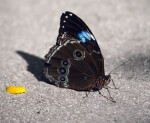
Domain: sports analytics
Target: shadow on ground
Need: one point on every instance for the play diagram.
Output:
(138, 67)
(35, 65)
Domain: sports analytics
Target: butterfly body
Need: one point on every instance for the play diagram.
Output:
(75, 61)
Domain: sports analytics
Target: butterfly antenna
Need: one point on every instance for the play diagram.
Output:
(119, 66)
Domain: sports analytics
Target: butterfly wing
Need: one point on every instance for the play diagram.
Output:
(74, 39)
(70, 65)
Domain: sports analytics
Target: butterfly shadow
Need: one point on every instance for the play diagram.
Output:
(35, 66)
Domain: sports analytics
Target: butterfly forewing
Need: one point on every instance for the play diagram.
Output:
(72, 24)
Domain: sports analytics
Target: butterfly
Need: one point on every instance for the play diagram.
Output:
(76, 61)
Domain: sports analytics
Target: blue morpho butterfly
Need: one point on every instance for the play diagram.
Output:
(76, 60)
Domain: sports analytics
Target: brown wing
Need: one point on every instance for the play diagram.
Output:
(80, 72)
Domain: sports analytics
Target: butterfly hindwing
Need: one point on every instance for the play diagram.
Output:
(80, 68)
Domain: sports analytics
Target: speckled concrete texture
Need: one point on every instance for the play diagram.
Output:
(28, 28)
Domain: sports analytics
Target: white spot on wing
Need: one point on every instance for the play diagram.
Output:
(70, 14)
(64, 21)
(63, 26)
(90, 35)
(66, 16)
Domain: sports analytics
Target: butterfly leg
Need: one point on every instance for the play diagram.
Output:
(102, 94)
(89, 90)
(87, 93)
(114, 84)
(111, 99)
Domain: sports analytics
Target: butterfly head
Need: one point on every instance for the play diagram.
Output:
(107, 79)
(103, 81)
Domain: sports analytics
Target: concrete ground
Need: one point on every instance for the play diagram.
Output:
(28, 28)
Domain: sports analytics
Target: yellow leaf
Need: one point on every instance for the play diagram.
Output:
(15, 90)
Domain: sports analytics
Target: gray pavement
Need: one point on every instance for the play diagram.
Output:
(28, 28)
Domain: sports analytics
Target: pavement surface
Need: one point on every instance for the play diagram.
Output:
(28, 28)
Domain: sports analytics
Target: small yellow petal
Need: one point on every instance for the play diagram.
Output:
(15, 90)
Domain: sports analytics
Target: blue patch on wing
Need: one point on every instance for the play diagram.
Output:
(83, 36)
